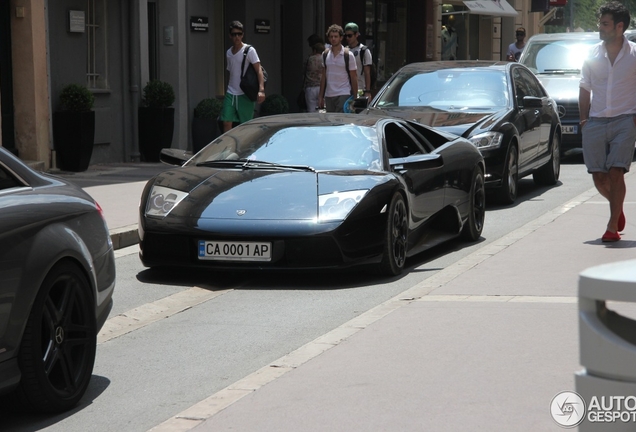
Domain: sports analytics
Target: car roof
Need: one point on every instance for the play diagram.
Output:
(466, 64)
(544, 37)
(310, 119)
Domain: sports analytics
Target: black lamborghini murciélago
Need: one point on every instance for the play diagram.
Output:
(311, 191)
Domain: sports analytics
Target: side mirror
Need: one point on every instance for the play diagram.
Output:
(174, 156)
(360, 104)
(532, 102)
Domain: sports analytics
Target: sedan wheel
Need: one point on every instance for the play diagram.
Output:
(507, 193)
(396, 238)
(548, 174)
(477, 211)
(58, 347)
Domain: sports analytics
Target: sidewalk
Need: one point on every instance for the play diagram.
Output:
(484, 344)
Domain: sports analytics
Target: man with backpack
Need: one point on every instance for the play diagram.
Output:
(362, 54)
(339, 80)
(237, 106)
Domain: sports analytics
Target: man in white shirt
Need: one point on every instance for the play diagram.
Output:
(608, 111)
(363, 64)
(336, 83)
(237, 107)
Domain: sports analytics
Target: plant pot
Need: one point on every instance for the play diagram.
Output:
(156, 126)
(204, 131)
(73, 139)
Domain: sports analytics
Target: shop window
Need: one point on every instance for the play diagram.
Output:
(97, 65)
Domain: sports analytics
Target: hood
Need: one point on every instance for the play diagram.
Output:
(459, 123)
(257, 194)
(561, 87)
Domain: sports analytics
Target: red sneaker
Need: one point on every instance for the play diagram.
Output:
(611, 236)
(621, 221)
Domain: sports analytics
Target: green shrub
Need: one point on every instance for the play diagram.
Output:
(158, 94)
(274, 104)
(78, 98)
(209, 108)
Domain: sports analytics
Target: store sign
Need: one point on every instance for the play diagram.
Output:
(559, 3)
(199, 24)
(76, 21)
(490, 7)
(262, 26)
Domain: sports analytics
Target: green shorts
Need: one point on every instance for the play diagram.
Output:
(237, 109)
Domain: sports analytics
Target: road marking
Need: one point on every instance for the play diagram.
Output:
(207, 408)
(497, 299)
(149, 313)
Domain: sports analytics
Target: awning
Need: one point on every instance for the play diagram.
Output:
(491, 7)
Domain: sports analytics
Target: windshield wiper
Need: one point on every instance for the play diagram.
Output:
(254, 164)
(560, 71)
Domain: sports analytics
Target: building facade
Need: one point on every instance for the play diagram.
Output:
(116, 46)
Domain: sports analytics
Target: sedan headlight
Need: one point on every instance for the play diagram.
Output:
(337, 205)
(162, 200)
(487, 140)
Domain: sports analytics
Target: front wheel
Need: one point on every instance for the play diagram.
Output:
(58, 347)
(396, 235)
(507, 192)
(477, 210)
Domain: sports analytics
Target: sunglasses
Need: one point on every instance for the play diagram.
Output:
(236, 34)
(520, 34)
(349, 35)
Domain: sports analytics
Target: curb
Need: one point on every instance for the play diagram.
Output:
(124, 236)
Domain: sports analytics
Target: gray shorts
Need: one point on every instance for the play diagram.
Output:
(608, 142)
(335, 103)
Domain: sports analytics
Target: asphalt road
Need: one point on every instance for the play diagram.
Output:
(175, 338)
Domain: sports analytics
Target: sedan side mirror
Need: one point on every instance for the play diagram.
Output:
(532, 102)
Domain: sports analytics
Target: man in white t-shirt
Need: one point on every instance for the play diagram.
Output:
(336, 85)
(237, 107)
(363, 64)
(516, 48)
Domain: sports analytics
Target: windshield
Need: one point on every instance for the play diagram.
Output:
(447, 89)
(319, 147)
(557, 56)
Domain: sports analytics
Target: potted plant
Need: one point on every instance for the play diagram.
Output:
(156, 119)
(205, 127)
(274, 104)
(74, 128)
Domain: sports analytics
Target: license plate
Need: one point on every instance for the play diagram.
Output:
(234, 251)
(569, 129)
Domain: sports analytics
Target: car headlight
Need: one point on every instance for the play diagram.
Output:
(487, 140)
(162, 200)
(337, 205)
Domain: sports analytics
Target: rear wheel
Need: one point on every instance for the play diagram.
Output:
(477, 210)
(548, 174)
(507, 193)
(396, 235)
(58, 347)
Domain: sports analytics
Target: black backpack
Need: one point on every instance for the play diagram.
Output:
(249, 80)
(373, 72)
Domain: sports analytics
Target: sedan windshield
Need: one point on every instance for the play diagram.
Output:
(557, 56)
(447, 89)
(341, 147)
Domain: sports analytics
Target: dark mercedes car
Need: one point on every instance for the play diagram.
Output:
(498, 106)
(57, 275)
(557, 59)
(313, 191)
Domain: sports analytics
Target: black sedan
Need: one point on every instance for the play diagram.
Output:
(57, 275)
(312, 191)
(500, 107)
